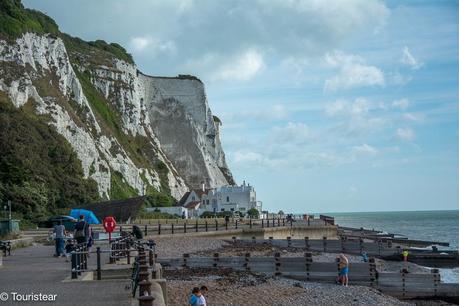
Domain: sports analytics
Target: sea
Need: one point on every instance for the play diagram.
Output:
(438, 225)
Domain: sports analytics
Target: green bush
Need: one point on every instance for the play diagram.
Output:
(253, 213)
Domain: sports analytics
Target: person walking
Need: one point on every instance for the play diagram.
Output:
(202, 299)
(59, 235)
(405, 255)
(195, 298)
(81, 231)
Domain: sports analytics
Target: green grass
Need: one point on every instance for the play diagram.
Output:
(120, 189)
(16, 20)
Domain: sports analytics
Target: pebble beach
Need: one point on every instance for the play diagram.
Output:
(227, 287)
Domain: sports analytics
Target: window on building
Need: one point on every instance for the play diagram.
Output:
(207, 202)
(242, 209)
(227, 199)
(223, 209)
(232, 209)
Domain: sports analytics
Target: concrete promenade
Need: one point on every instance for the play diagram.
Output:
(35, 270)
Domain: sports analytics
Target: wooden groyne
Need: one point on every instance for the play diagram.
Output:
(399, 284)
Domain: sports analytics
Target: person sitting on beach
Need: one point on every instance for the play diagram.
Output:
(202, 299)
(343, 270)
(195, 298)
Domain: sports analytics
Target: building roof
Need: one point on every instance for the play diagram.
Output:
(183, 199)
(122, 210)
(200, 192)
(192, 205)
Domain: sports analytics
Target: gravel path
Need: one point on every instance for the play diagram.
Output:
(177, 246)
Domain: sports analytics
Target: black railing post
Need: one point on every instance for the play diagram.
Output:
(74, 266)
(226, 225)
(197, 225)
(79, 260)
(236, 224)
(262, 223)
(146, 230)
(184, 227)
(278, 222)
(172, 227)
(99, 274)
(267, 222)
(206, 226)
(216, 225)
(283, 221)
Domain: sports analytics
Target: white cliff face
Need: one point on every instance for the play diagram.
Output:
(41, 56)
(170, 114)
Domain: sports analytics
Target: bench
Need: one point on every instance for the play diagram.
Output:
(6, 247)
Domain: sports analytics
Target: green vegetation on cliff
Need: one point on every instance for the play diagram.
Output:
(39, 171)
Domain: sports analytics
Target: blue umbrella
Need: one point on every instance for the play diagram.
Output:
(89, 216)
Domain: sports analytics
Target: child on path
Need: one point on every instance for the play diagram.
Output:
(195, 297)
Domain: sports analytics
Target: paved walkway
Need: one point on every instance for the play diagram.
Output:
(35, 270)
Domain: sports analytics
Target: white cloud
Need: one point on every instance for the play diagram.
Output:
(414, 117)
(409, 60)
(353, 72)
(240, 68)
(405, 134)
(358, 108)
(151, 45)
(293, 132)
(272, 112)
(401, 104)
(365, 149)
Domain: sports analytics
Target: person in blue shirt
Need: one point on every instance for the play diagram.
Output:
(195, 297)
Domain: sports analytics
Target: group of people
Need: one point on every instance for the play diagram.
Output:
(82, 234)
(197, 297)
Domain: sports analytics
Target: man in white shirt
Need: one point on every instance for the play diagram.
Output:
(202, 299)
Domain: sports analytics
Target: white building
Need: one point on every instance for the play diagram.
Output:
(221, 199)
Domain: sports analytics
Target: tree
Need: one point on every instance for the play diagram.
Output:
(253, 213)
(281, 212)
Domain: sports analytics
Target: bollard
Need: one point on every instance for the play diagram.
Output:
(146, 230)
(146, 300)
(144, 287)
(74, 266)
(99, 270)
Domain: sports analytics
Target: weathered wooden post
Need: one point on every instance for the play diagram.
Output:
(436, 280)
(185, 260)
(216, 225)
(226, 224)
(372, 268)
(172, 228)
(361, 245)
(250, 223)
(308, 262)
(247, 262)
(236, 223)
(324, 242)
(342, 245)
(253, 239)
(159, 228)
(270, 240)
(146, 230)
(206, 226)
(277, 263)
(216, 259)
(184, 227)
(306, 243)
(234, 240)
(197, 226)
(262, 223)
(289, 241)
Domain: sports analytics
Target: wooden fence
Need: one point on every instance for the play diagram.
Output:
(399, 284)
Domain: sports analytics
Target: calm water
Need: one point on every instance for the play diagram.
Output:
(423, 225)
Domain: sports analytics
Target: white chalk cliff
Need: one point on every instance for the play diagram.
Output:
(167, 134)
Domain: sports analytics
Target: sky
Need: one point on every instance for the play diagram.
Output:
(327, 106)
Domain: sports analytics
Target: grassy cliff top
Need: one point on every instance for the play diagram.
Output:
(16, 20)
